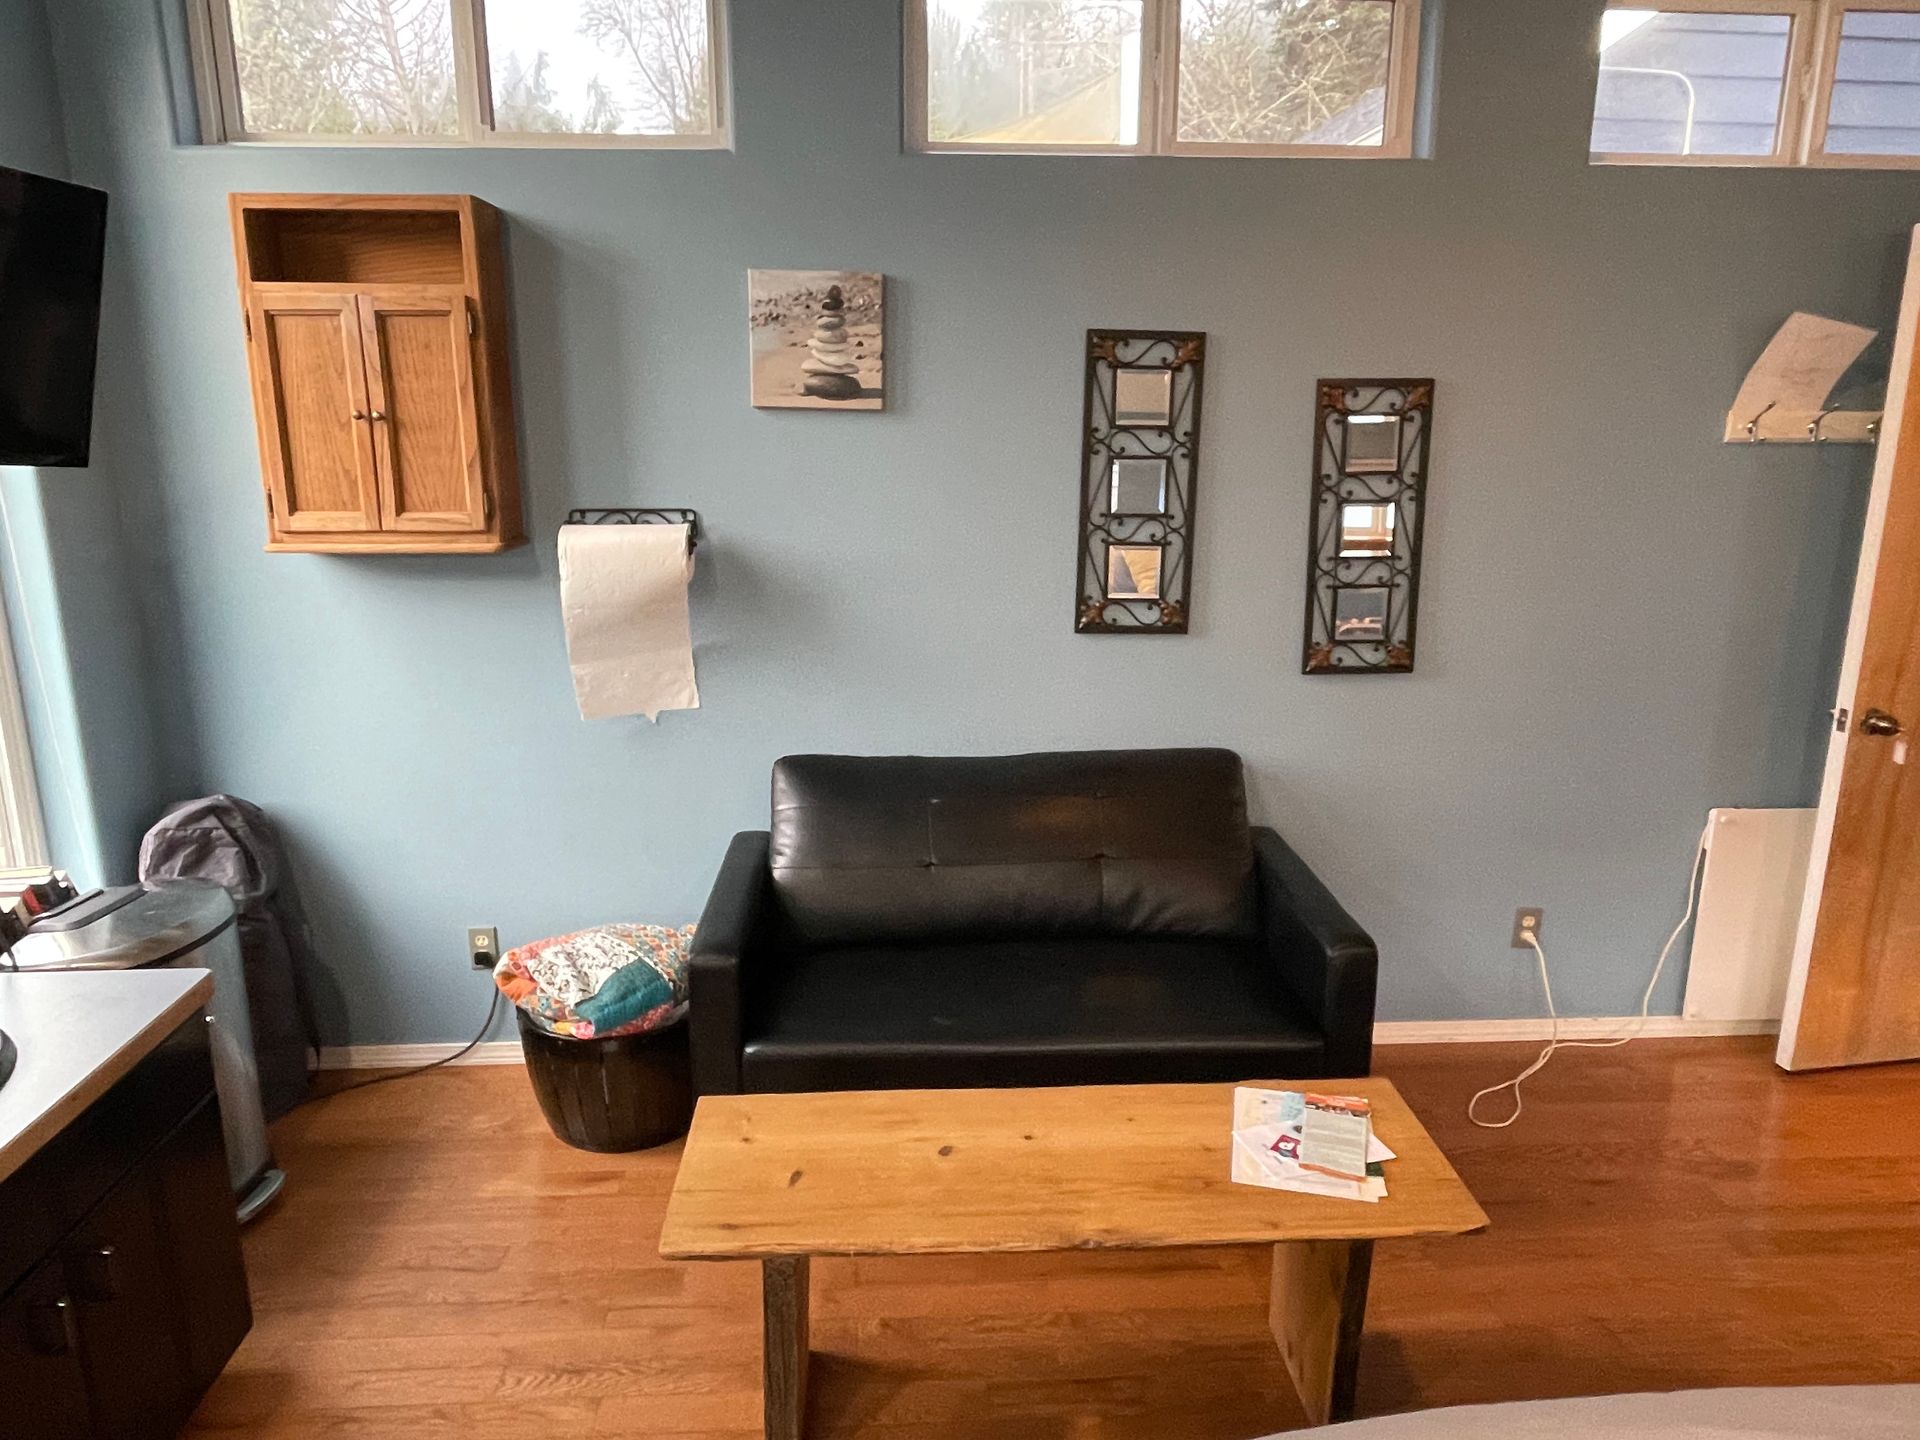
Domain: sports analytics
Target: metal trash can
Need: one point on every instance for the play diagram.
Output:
(182, 924)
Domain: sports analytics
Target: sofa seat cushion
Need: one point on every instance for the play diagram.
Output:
(1022, 1012)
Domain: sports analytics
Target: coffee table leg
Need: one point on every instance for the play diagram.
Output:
(783, 1283)
(1316, 1308)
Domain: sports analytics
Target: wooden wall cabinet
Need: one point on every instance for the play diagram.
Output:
(377, 343)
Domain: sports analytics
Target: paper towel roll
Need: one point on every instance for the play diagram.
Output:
(623, 595)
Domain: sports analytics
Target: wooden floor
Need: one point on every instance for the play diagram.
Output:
(1674, 1214)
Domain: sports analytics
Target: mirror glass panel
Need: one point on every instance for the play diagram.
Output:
(1372, 444)
(1138, 487)
(1133, 572)
(1360, 612)
(1366, 530)
(1143, 397)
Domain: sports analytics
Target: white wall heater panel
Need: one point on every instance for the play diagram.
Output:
(1756, 873)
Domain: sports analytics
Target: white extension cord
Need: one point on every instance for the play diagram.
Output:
(1554, 1042)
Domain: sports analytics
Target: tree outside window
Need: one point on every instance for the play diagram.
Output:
(394, 68)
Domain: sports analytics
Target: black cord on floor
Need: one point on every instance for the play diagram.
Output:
(493, 1008)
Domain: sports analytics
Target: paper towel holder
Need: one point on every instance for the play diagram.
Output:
(638, 515)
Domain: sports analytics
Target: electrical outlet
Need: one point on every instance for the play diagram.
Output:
(483, 946)
(1526, 927)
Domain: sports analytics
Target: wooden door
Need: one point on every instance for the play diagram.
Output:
(310, 392)
(1854, 993)
(426, 436)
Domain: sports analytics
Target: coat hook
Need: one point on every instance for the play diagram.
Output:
(1753, 425)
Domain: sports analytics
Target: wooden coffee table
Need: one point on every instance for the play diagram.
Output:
(782, 1178)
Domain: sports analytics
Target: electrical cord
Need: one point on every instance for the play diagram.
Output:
(493, 1009)
(1554, 1042)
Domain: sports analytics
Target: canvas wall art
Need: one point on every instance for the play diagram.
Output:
(817, 339)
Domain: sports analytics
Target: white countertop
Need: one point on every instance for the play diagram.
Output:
(78, 1032)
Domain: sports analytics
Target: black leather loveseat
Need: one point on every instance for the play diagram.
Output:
(1079, 918)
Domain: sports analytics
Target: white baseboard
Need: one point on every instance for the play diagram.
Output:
(1584, 1027)
(1386, 1032)
(405, 1057)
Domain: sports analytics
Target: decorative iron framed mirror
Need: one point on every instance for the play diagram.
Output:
(1139, 458)
(1370, 447)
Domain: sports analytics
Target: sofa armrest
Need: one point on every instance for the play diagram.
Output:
(736, 908)
(1324, 957)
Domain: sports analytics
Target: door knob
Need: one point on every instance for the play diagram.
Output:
(359, 414)
(379, 415)
(1879, 722)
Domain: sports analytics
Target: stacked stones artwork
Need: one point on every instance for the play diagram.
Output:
(829, 368)
(817, 339)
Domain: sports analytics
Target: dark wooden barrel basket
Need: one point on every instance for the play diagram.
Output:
(625, 1092)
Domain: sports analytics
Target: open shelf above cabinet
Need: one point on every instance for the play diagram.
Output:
(376, 333)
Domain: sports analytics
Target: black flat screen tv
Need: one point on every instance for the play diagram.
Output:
(53, 237)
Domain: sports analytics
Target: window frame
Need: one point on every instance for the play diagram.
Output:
(1806, 93)
(23, 829)
(1159, 121)
(1833, 15)
(1789, 122)
(217, 92)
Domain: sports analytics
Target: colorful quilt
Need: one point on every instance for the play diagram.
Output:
(609, 980)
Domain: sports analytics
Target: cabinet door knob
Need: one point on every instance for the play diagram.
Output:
(359, 414)
(98, 1275)
(51, 1329)
(379, 415)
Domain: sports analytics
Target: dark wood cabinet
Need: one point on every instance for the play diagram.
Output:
(136, 1292)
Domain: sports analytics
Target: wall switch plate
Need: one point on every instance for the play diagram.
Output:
(483, 946)
(1526, 927)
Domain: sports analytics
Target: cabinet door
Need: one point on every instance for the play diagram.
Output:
(122, 1284)
(157, 1285)
(426, 434)
(310, 390)
(203, 1245)
(42, 1385)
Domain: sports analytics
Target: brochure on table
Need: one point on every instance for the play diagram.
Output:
(1289, 1140)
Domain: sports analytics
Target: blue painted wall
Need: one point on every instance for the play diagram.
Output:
(1626, 622)
(71, 610)
(31, 135)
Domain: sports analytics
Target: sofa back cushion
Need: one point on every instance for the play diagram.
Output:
(1096, 842)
